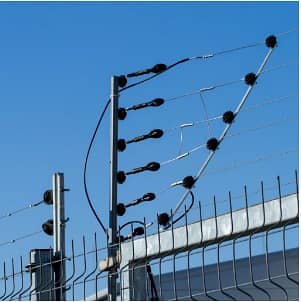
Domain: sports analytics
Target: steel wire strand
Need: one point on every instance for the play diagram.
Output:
(204, 57)
(228, 83)
(14, 212)
(245, 131)
(20, 238)
(133, 85)
(269, 101)
(237, 165)
(227, 128)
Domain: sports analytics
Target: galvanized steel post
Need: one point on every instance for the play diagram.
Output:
(112, 231)
(59, 235)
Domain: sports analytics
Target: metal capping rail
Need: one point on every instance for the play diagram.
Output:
(137, 283)
(147, 266)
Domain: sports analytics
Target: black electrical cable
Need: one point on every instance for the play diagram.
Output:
(187, 210)
(154, 292)
(131, 86)
(93, 138)
(85, 166)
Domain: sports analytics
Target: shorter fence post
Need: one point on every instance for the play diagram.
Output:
(42, 279)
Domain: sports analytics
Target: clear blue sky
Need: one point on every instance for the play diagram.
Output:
(56, 62)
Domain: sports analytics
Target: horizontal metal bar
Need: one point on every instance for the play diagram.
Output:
(213, 230)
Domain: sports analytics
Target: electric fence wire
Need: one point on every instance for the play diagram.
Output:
(269, 101)
(245, 131)
(240, 196)
(207, 120)
(237, 165)
(138, 83)
(95, 250)
(20, 238)
(205, 57)
(226, 130)
(224, 84)
(14, 212)
(251, 162)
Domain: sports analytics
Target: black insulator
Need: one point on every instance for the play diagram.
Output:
(120, 209)
(122, 81)
(121, 145)
(212, 144)
(48, 227)
(228, 117)
(121, 113)
(153, 103)
(163, 219)
(136, 170)
(121, 177)
(153, 166)
(138, 231)
(271, 41)
(250, 78)
(158, 68)
(156, 102)
(48, 197)
(156, 133)
(188, 182)
(148, 197)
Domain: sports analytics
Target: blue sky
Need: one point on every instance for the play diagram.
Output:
(56, 62)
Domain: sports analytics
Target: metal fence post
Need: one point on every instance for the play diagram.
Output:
(42, 278)
(112, 231)
(59, 236)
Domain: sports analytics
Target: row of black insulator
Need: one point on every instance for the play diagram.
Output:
(212, 143)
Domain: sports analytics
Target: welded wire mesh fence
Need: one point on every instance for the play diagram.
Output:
(245, 253)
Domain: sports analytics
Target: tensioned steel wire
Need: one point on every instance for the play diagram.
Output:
(202, 57)
(269, 101)
(22, 209)
(12, 241)
(226, 130)
(215, 118)
(258, 159)
(183, 126)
